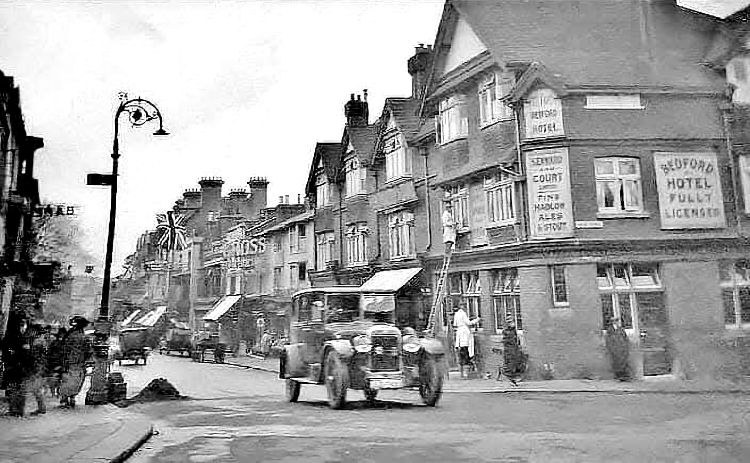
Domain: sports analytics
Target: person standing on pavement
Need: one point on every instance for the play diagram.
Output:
(55, 362)
(76, 351)
(618, 347)
(514, 359)
(16, 359)
(35, 377)
(464, 338)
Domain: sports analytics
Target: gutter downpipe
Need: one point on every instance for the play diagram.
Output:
(522, 174)
(726, 108)
(427, 198)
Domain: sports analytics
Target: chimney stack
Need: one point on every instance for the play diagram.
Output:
(357, 112)
(419, 67)
(211, 193)
(286, 199)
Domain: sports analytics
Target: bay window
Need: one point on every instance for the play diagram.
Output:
(491, 106)
(323, 249)
(499, 191)
(458, 195)
(618, 184)
(452, 122)
(401, 234)
(397, 160)
(322, 190)
(356, 244)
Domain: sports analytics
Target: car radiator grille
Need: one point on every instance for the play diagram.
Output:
(387, 360)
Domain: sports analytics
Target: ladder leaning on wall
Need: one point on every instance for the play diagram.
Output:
(439, 292)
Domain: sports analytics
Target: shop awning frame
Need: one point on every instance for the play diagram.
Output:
(388, 281)
(221, 307)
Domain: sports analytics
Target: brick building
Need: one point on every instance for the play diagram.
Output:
(588, 169)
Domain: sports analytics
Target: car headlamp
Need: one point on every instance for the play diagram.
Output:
(411, 344)
(362, 344)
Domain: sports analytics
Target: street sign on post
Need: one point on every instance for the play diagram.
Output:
(99, 179)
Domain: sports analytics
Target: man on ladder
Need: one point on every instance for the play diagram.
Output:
(449, 228)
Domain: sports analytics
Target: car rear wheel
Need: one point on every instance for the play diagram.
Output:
(336, 380)
(430, 380)
(292, 390)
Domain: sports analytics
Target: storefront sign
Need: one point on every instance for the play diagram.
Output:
(378, 303)
(550, 204)
(689, 187)
(543, 114)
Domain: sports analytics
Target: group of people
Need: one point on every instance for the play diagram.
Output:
(514, 358)
(36, 360)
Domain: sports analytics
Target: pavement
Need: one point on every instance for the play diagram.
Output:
(455, 384)
(84, 434)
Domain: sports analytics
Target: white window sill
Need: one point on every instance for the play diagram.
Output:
(401, 258)
(448, 142)
(507, 223)
(614, 108)
(622, 215)
(463, 231)
(400, 179)
(738, 328)
(355, 196)
(484, 125)
(560, 305)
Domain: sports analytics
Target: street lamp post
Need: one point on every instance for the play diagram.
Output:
(139, 111)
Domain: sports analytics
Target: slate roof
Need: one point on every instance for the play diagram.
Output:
(362, 139)
(598, 43)
(330, 154)
(406, 113)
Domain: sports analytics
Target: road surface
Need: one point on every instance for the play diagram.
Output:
(239, 415)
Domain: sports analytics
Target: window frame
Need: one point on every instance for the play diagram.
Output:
(556, 301)
(490, 93)
(458, 195)
(616, 101)
(398, 163)
(401, 235)
(619, 192)
(625, 284)
(452, 122)
(736, 285)
(324, 242)
(355, 177)
(356, 244)
(506, 287)
(497, 190)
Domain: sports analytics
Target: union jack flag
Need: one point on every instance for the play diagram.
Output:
(171, 228)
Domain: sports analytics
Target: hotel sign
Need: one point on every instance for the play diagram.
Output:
(689, 187)
(550, 203)
(543, 114)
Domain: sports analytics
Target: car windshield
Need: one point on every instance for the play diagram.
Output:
(342, 308)
(379, 317)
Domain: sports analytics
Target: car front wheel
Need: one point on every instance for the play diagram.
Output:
(336, 380)
(292, 390)
(430, 380)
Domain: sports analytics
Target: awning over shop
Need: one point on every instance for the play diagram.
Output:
(152, 317)
(221, 307)
(389, 280)
(131, 317)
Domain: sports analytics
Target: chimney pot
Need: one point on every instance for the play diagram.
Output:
(365, 93)
(359, 97)
(351, 97)
(286, 199)
(299, 197)
(281, 199)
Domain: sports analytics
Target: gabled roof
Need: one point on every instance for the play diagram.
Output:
(592, 43)
(405, 113)
(362, 140)
(534, 74)
(329, 153)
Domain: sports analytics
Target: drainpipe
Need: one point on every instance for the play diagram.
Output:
(520, 204)
(427, 197)
(726, 108)
(341, 234)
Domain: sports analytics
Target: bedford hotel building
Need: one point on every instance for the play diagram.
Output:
(597, 168)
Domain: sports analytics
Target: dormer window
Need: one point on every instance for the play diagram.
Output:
(452, 122)
(397, 159)
(491, 91)
(322, 190)
(355, 176)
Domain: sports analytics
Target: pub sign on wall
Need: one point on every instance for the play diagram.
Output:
(543, 114)
(550, 202)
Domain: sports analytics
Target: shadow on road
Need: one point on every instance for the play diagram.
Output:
(364, 405)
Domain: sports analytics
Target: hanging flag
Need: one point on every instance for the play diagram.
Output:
(171, 228)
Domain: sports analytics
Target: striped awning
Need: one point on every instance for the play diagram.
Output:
(221, 307)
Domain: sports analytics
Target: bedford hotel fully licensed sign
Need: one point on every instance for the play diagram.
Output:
(689, 187)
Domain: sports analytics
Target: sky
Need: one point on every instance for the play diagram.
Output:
(245, 89)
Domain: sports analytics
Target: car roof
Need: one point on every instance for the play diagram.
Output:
(329, 290)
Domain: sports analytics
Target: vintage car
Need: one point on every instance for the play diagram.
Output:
(206, 341)
(133, 345)
(178, 340)
(346, 339)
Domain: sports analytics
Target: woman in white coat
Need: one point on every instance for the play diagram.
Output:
(464, 339)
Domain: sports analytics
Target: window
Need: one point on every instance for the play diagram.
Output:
(499, 191)
(465, 288)
(322, 190)
(302, 271)
(613, 102)
(618, 184)
(323, 249)
(302, 230)
(355, 177)
(459, 198)
(356, 244)
(397, 160)
(401, 234)
(559, 286)
(293, 276)
(491, 106)
(277, 278)
(452, 122)
(506, 298)
(735, 290)
(277, 243)
(293, 239)
(624, 288)
(213, 216)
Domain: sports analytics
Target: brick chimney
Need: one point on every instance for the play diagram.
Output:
(357, 111)
(258, 195)
(191, 199)
(211, 193)
(419, 66)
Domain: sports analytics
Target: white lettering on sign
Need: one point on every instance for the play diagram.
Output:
(550, 204)
(689, 187)
(543, 114)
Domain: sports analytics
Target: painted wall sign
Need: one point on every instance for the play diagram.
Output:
(550, 203)
(543, 114)
(689, 187)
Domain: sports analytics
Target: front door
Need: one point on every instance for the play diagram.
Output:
(653, 329)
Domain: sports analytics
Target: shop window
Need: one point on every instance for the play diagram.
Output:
(735, 289)
(559, 286)
(458, 195)
(506, 298)
(465, 288)
(499, 191)
(618, 184)
(626, 287)
(452, 122)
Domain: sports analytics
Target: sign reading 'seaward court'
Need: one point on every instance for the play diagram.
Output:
(689, 187)
(550, 204)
